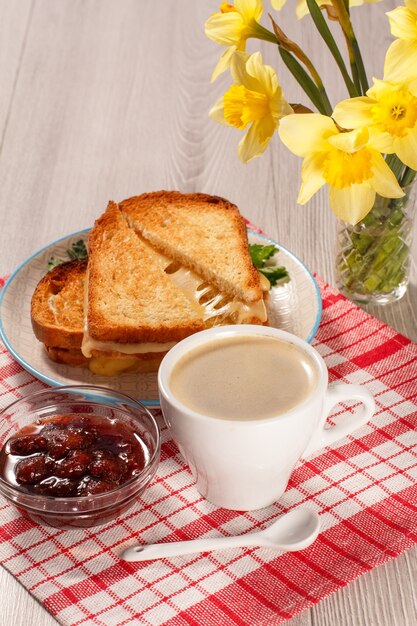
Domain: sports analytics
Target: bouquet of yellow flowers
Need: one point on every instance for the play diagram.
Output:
(364, 148)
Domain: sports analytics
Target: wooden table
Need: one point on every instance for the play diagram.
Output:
(104, 99)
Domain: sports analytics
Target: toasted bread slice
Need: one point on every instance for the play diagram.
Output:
(161, 267)
(65, 356)
(130, 299)
(207, 235)
(57, 306)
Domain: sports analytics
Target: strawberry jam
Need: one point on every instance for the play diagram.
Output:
(72, 455)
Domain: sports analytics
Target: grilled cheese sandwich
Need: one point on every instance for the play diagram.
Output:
(158, 271)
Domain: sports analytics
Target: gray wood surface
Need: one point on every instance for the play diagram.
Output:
(103, 99)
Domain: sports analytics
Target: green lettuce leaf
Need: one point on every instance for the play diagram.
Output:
(78, 250)
(262, 259)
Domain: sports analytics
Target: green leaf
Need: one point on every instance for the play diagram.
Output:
(78, 250)
(360, 65)
(54, 262)
(260, 255)
(301, 76)
(276, 275)
(327, 36)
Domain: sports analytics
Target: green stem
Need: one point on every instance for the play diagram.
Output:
(356, 61)
(318, 97)
(325, 33)
(373, 259)
(396, 166)
(260, 32)
(359, 64)
(297, 56)
(355, 76)
(328, 109)
(408, 177)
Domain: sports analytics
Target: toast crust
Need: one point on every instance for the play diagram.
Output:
(207, 235)
(65, 356)
(75, 358)
(57, 305)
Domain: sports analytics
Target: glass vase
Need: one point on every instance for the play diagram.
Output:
(373, 257)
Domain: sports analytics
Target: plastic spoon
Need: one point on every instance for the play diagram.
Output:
(293, 531)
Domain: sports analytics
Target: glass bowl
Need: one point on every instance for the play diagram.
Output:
(93, 509)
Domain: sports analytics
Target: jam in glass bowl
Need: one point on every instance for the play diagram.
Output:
(76, 456)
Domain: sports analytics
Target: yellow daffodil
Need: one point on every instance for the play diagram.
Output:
(354, 171)
(255, 100)
(401, 57)
(389, 111)
(302, 8)
(231, 26)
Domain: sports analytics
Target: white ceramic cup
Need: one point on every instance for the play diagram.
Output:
(245, 465)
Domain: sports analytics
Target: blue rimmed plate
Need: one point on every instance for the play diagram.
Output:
(294, 306)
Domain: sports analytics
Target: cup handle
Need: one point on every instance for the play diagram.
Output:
(338, 393)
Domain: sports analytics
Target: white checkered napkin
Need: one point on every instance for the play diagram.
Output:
(364, 489)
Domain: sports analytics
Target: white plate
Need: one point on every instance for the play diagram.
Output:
(294, 306)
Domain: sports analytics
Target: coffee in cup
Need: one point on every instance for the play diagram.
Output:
(244, 404)
(244, 377)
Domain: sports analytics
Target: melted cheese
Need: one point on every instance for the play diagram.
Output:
(111, 366)
(212, 303)
(265, 284)
(106, 366)
(89, 344)
(209, 302)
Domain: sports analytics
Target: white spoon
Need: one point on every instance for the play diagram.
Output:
(293, 531)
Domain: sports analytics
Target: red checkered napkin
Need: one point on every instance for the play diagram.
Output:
(364, 488)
